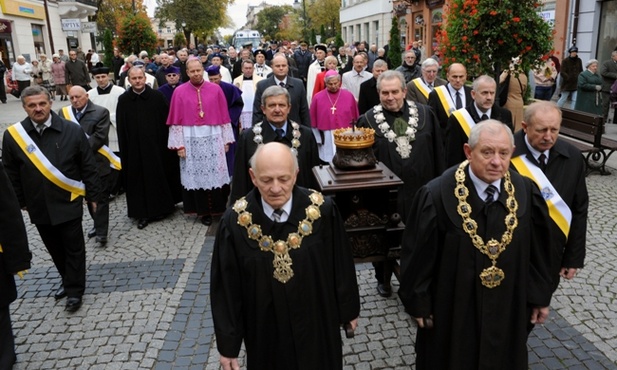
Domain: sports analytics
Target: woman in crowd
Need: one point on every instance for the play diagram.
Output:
(517, 88)
(21, 73)
(58, 75)
(45, 69)
(589, 89)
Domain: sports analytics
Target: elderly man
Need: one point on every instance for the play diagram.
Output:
(299, 108)
(183, 56)
(608, 71)
(410, 67)
(331, 109)
(247, 83)
(475, 260)
(278, 125)
(369, 97)
(407, 141)
(481, 108)
(160, 75)
(354, 78)
(559, 171)
(286, 299)
(316, 67)
(237, 66)
(51, 184)
(419, 88)
(95, 122)
(200, 131)
(151, 173)
(452, 96)
(172, 76)
(21, 73)
(77, 72)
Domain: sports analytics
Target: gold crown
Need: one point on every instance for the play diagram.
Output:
(354, 138)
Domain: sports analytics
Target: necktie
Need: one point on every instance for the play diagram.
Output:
(430, 86)
(484, 117)
(78, 115)
(280, 133)
(282, 84)
(40, 128)
(490, 194)
(542, 162)
(276, 215)
(459, 102)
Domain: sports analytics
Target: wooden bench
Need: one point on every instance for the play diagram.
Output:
(584, 131)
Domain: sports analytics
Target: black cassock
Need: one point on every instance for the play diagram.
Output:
(288, 326)
(474, 327)
(150, 170)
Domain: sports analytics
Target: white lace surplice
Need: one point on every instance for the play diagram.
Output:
(205, 165)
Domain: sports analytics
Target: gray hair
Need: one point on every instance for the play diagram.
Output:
(135, 68)
(32, 91)
(274, 91)
(482, 79)
(493, 127)
(391, 75)
(253, 159)
(590, 62)
(429, 62)
(540, 107)
(379, 63)
(330, 59)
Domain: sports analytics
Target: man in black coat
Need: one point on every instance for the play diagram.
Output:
(276, 126)
(117, 62)
(76, 71)
(51, 166)
(299, 106)
(2, 89)
(95, 122)
(454, 95)
(481, 108)
(14, 259)
(369, 97)
(303, 58)
(563, 169)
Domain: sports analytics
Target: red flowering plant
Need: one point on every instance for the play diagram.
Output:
(485, 34)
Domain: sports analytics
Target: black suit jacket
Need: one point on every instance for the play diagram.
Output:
(440, 111)
(456, 137)
(369, 97)
(299, 105)
(565, 169)
(95, 123)
(66, 147)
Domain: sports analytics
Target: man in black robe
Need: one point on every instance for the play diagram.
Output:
(475, 260)
(481, 108)
(416, 158)
(286, 299)
(151, 171)
(276, 104)
(564, 168)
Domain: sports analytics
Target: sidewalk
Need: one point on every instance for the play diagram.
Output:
(147, 303)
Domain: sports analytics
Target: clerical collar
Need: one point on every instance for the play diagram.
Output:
(269, 210)
(105, 90)
(139, 92)
(481, 185)
(247, 78)
(536, 153)
(480, 113)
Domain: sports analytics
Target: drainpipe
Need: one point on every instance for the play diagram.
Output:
(575, 21)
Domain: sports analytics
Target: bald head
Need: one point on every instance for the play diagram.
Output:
(457, 75)
(78, 97)
(274, 169)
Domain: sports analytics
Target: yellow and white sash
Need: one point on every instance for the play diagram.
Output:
(465, 120)
(557, 207)
(114, 160)
(36, 156)
(445, 99)
(422, 86)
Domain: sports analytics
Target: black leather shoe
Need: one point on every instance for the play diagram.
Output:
(101, 240)
(73, 304)
(91, 233)
(60, 293)
(384, 290)
(142, 223)
(206, 220)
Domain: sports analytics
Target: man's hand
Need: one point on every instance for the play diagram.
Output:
(354, 324)
(93, 204)
(539, 315)
(422, 323)
(182, 153)
(229, 363)
(568, 272)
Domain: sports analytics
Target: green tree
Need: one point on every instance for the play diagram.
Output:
(108, 44)
(290, 27)
(339, 40)
(110, 13)
(325, 13)
(313, 37)
(179, 40)
(135, 34)
(395, 50)
(269, 20)
(485, 35)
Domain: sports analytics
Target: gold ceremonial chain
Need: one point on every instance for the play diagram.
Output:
(201, 109)
(282, 261)
(492, 276)
(295, 142)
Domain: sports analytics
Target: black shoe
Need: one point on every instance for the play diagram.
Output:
(142, 223)
(206, 220)
(384, 290)
(91, 233)
(73, 304)
(102, 240)
(60, 293)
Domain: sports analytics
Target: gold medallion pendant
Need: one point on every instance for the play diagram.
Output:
(490, 277)
(282, 260)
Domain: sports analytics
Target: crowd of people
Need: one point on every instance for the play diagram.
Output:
(494, 205)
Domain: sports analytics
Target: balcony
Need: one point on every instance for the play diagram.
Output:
(76, 8)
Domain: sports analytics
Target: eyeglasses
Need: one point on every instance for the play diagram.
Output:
(172, 74)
